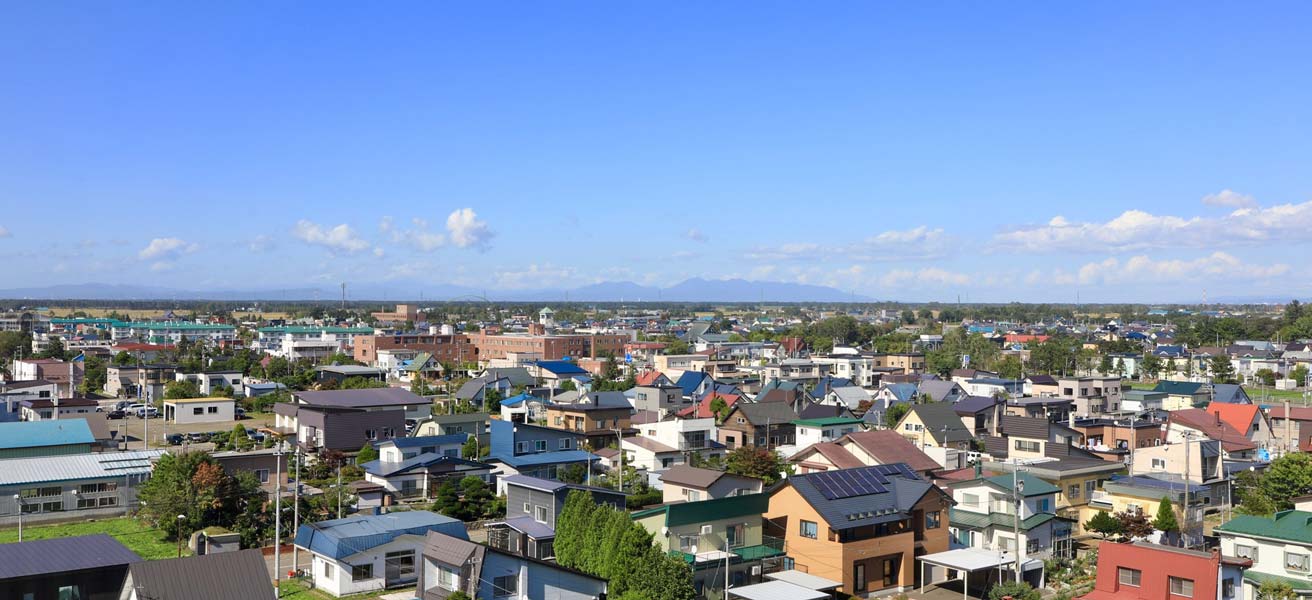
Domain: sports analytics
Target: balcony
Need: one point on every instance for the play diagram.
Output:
(1100, 499)
(769, 547)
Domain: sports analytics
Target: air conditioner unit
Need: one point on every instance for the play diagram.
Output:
(756, 571)
(706, 530)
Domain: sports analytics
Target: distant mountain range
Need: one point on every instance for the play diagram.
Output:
(691, 290)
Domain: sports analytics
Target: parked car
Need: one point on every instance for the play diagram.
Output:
(146, 412)
(240, 412)
(115, 414)
(174, 439)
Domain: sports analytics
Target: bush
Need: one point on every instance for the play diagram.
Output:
(1019, 590)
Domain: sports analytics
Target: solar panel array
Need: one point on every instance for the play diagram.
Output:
(862, 481)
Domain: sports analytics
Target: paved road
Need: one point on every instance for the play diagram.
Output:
(286, 562)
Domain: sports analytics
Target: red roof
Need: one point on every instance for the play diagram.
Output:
(702, 410)
(1020, 338)
(1156, 565)
(648, 377)
(1212, 427)
(835, 454)
(137, 347)
(1239, 416)
(1297, 413)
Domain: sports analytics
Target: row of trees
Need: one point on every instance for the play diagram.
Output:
(602, 541)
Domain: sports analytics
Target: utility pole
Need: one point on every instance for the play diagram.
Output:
(1017, 490)
(1187, 519)
(619, 435)
(277, 525)
(296, 508)
(339, 490)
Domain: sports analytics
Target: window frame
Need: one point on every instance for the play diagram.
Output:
(802, 529)
(368, 569)
(1183, 582)
(1136, 576)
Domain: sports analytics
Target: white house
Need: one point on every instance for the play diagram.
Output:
(366, 553)
(815, 431)
(200, 410)
(663, 444)
(1280, 547)
(985, 515)
(210, 381)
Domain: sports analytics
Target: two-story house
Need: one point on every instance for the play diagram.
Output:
(682, 483)
(365, 553)
(1145, 571)
(532, 505)
(1183, 394)
(934, 425)
(523, 449)
(453, 564)
(710, 533)
(602, 417)
(864, 449)
(764, 424)
(1280, 547)
(1196, 423)
(346, 420)
(986, 517)
(663, 398)
(862, 526)
(662, 444)
(816, 431)
(412, 468)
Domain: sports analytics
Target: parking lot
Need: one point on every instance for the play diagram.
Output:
(134, 429)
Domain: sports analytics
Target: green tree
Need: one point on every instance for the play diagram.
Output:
(1165, 520)
(1299, 375)
(1105, 365)
(720, 408)
(1019, 590)
(1288, 477)
(1150, 366)
(1009, 367)
(94, 376)
(470, 449)
(13, 342)
(1134, 524)
(1276, 590)
(1223, 371)
(367, 454)
(753, 461)
(1103, 524)
(566, 386)
(895, 414)
(54, 349)
(179, 390)
(238, 439)
(1250, 498)
(627, 555)
(575, 473)
(1266, 376)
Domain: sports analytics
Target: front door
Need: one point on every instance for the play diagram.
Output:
(859, 577)
(891, 570)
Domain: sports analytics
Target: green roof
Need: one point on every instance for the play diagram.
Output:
(1299, 585)
(684, 513)
(962, 518)
(1291, 525)
(827, 421)
(311, 329)
(177, 325)
(1179, 388)
(1033, 485)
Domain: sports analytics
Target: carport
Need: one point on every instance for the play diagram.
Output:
(966, 561)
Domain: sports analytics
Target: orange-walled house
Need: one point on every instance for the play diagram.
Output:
(862, 526)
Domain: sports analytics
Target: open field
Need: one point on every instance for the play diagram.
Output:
(146, 542)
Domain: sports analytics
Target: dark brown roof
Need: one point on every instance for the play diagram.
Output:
(686, 476)
(237, 575)
(888, 447)
(835, 454)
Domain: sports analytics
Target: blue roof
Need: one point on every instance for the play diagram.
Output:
(829, 382)
(32, 434)
(530, 527)
(502, 446)
(340, 538)
(561, 367)
(690, 381)
(429, 440)
(516, 400)
(903, 391)
(427, 459)
(545, 458)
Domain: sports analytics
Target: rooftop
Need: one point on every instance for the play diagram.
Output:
(61, 555)
(34, 434)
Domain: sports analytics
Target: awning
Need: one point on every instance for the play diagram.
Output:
(805, 580)
(776, 590)
(974, 559)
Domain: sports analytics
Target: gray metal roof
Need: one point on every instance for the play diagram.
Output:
(899, 495)
(61, 555)
(361, 398)
(74, 467)
(240, 575)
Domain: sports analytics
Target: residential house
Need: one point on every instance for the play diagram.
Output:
(979, 413)
(934, 425)
(1142, 494)
(904, 363)
(1247, 419)
(73, 486)
(13, 393)
(1292, 433)
(850, 396)
(1146, 571)
(210, 382)
(1279, 546)
(714, 536)
(865, 449)
(991, 386)
(802, 370)
(552, 373)
(1196, 423)
(475, 424)
(1142, 400)
(602, 417)
(940, 390)
(185, 411)
(143, 381)
(862, 526)
(532, 507)
(1115, 438)
(346, 420)
(663, 444)
(239, 575)
(264, 464)
(412, 468)
(1091, 396)
(764, 424)
(682, 483)
(662, 398)
(86, 566)
(1183, 394)
(525, 408)
(1198, 461)
(1054, 408)
(365, 553)
(56, 408)
(337, 374)
(1042, 385)
(815, 431)
(66, 375)
(533, 450)
(1230, 393)
(652, 378)
(986, 517)
(452, 563)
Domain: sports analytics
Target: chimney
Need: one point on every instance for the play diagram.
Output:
(1217, 414)
(997, 418)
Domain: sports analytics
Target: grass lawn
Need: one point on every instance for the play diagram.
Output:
(147, 543)
(295, 590)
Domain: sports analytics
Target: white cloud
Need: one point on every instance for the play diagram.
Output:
(4, 233)
(261, 243)
(534, 276)
(467, 231)
(920, 243)
(165, 248)
(378, 251)
(1140, 230)
(1228, 197)
(340, 238)
(385, 224)
(162, 265)
(789, 251)
(918, 278)
(420, 238)
(695, 235)
(1144, 269)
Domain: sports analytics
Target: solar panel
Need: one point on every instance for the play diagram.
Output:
(847, 483)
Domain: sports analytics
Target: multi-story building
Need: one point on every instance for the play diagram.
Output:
(66, 375)
(902, 362)
(489, 346)
(862, 526)
(663, 444)
(303, 341)
(74, 486)
(602, 417)
(208, 382)
(454, 348)
(1145, 571)
(346, 420)
(712, 535)
(532, 506)
(523, 449)
(172, 332)
(1280, 547)
(986, 517)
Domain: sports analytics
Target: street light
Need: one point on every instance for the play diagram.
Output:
(181, 518)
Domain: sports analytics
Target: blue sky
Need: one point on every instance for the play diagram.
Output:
(899, 151)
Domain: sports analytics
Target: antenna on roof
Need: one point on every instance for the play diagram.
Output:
(343, 295)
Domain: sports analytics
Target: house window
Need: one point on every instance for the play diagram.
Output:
(371, 434)
(213, 410)
(1129, 576)
(1244, 551)
(559, 421)
(541, 515)
(505, 586)
(540, 445)
(1073, 491)
(1159, 463)
(741, 420)
(1296, 562)
(601, 424)
(693, 495)
(197, 411)
(808, 529)
(1228, 588)
(565, 443)
(1090, 486)
(1032, 546)
(736, 535)
(448, 578)
(262, 475)
(362, 572)
(687, 543)
(1182, 587)
(1042, 506)
(1027, 445)
(521, 447)
(932, 519)
(528, 509)
(970, 499)
(327, 570)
